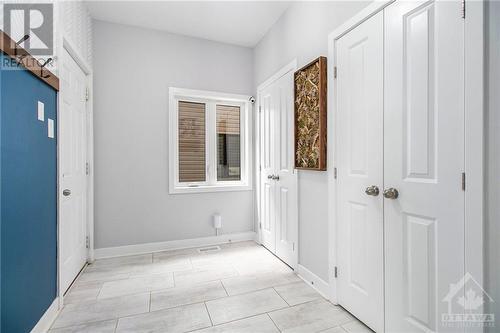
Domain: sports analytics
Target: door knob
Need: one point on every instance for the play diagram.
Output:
(391, 193)
(276, 177)
(270, 177)
(372, 190)
(67, 192)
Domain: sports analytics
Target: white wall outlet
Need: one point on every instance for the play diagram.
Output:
(50, 128)
(41, 111)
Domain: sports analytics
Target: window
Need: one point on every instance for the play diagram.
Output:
(191, 142)
(209, 141)
(228, 142)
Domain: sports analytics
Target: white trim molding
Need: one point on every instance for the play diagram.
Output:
(474, 144)
(128, 250)
(211, 99)
(317, 283)
(48, 318)
(291, 66)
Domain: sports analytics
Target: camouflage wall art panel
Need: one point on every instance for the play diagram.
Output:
(310, 115)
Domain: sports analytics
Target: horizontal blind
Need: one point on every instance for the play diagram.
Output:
(228, 119)
(228, 142)
(192, 142)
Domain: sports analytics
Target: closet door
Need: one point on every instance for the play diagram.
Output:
(423, 161)
(268, 103)
(359, 56)
(73, 185)
(278, 191)
(286, 180)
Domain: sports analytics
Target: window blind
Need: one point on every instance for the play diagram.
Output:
(228, 142)
(192, 142)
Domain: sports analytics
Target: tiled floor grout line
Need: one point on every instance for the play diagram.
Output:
(150, 298)
(243, 318)
(99, 293)
(116, 325)
(223, 286)
(228, 322)
(255, 290)
(208, 312)
(339, 326)
(268, 314)
(85, 323)
(284, 300)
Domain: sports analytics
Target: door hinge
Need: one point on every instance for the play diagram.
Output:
(335, 272)
(335, 72)
(463, 9)
(87, 242)
(87, 168)
(260, 108)
(260, 225)
(293, 247)
(463, 181)
(87, 94)
(335, 173)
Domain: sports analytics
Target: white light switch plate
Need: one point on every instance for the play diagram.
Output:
(41, 111)
(50, 128)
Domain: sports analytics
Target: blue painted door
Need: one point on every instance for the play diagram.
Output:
(28, 199)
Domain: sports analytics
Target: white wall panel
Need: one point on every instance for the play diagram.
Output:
(132, 203)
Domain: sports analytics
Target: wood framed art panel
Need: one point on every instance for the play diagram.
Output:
(310, 93)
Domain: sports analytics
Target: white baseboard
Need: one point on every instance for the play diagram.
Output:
(119, 251)
(314, 281)
(48, 318)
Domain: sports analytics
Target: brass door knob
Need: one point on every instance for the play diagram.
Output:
(372, 190)
(391, 193)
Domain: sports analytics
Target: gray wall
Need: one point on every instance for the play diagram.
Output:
(133, 69)
(302, 33)
(492, 230)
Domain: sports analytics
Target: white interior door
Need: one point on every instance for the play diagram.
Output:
(359, 56)
(73, 189)
(267, 110)
(286, 180)
(279, 216)
(424, 154)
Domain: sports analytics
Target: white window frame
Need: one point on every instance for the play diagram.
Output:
(211, 99)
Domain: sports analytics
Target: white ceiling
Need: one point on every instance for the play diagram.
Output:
(241, 23)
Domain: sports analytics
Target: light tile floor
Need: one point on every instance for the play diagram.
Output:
(242, 288)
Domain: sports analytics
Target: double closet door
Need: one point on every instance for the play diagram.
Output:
(400, 158)
(278, 180)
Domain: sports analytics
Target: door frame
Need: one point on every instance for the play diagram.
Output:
(65, 45)
(473, 127)
(291, 66)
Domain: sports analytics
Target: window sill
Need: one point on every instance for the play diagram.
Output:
(209, 188)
